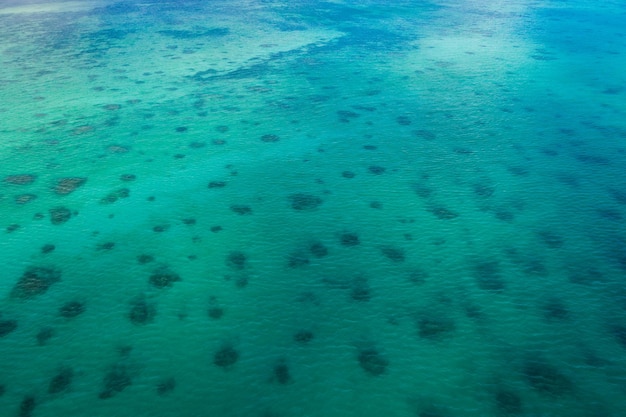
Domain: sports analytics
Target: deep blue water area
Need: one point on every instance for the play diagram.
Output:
(313, 208)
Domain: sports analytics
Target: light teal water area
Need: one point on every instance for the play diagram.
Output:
(310, 208)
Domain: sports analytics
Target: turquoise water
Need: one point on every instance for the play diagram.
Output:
(303, 208)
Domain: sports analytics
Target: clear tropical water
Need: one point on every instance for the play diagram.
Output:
(308, 208)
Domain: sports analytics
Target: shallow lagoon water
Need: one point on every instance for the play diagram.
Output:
(312, 208)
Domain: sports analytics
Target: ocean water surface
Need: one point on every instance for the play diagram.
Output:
(256, 208)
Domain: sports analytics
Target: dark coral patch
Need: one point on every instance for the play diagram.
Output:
(115, 195)
(435, 327)
(303, 336)
(403, 120)
(72, 309)
(163, 278)
(508, 403)
(25, 198)
(7, 326)
(236, 260)
(376, 169)
(115, 381)
(27, 406)
(488, 277)
(551, 239)
(47, 248)
(226, 356)
(61, 381)
(128, 177)
(443, 213)
(348, 174)
(270, 138)
(181, 129)
(360, 290)
(281, 373)
(217, 184)
(546, 378)
(44, 335)
(144, 259)
(161, 228)
(297, 260)
(141, 312)
(59, 215)
(305, 201)
(166, 386)
(349, 239)
(373, 362)
(318, 249)
(241, 209)
(393, 254)
(68, 185)
(35, 281)
(20, 179)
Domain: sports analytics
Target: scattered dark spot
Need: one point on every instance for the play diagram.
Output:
(376, 205)
(3, 389)
(318, 249)
(418, 276)
(347, 174)
(217, 184)
(425, 134)
(281, 373)
(44, 335)
(144, 259)
(128, 177)
(189, 221)
(613, 90)
(392, 253)
(370, 147)
(373, 362)
(505, 216)
(216, 229)
(113, 196)
(403, 120)
(141, 312)
(47, 248)
(376, 169)
(22, 199)
(151, 198)
(554, 309)
(216, 312)
(59, 215)
(270, 138)
(111, 107)
(443, 213)
(12, 228)
(181, 129)
(297, 260)
(161, 228)
(462, 151)
(360, 290)
(517, 170)
(35, 281)
(422, 191)
(546, 378)
(488, 277)
(68, 185)
(27, 406)
(619, 332)
(61, 381)
(222, 128)
(349, 239)
(551, 239)
(115, 381)
(483, 190)
(226, 356)
(20, 179)
(346, 115)
(197, 145)
(163, 278)
(593, 159)
(618, 195)
(179, 156)
(586, 276)
(242, 281)
(105, 246)
(508, 403)
(166, 386)
(303, 336)
(236, 260)
(72, 309)
(7, 326)
(534, 266)
(610, 214)
(304, 201)
(242, 210)
(435, 328)
(218, 142)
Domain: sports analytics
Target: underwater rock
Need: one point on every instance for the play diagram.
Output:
(141, 312)
(20, 179)
(551, 239)
(305, 201)
(59, 215)
(72, 309)
(163, 278)
(217, 184)
(7, 326)
(348, 174)
(443, 213)
(144, 259)
(360, 290)
(554, 309)
(61, 381)
(65, 186)
(393, 254)
(236, 260)
(27, 406)
(281, 373)
(318, 249)
(113, 196)
(372, 362)
(35, 281)
(181, 129)
(25, 198)
(508, 403)
(403, 120)
(226, 356)
(47, 248)
(349, 239)
(241, 209)
(376, 169)
(270, 138)
(297, 260)
(44, 335)
(115, 381)
(546, 378)
(215, 312)
(488, 277)
(435, 327)
(166, 386)
(303, 336)
(128, 177)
